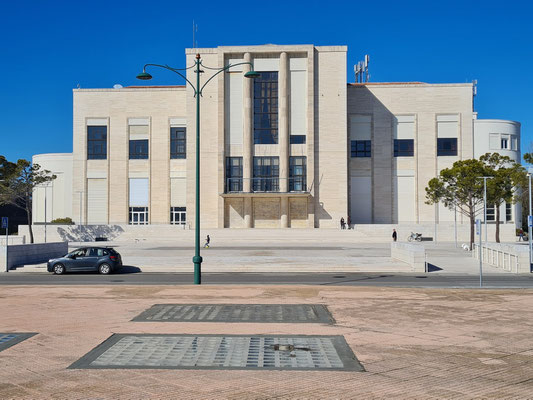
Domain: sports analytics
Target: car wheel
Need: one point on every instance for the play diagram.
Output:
(59, 269)
(104, 269)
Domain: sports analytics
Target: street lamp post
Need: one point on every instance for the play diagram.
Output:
(529, 218)
(485, 204)
(197, 259)
(46, 206)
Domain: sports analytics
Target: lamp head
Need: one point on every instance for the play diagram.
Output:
(252, 74)
(144, 76)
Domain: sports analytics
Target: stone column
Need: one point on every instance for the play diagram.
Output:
(247, 134)
(284, 208)
(283, 126)
(283, 139)
(248, 210)
(247, 141)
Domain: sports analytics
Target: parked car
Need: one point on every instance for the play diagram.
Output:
(102, 259)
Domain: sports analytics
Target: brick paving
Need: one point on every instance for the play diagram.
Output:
(413, 343)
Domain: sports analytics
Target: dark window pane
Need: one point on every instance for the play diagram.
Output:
(139, 149)
(97, 142)
(233, 174)
(266, 174)
(404, 147)
(297, 174)
(297, 139)
(266, 108)
(178, 143)
(446, 146)
(361, 148)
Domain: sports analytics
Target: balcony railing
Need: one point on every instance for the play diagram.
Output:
(262, 185)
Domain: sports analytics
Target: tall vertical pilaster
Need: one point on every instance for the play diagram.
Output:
(247, 141)
(283, 126)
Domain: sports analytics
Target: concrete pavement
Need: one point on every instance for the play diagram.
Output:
(413, 343)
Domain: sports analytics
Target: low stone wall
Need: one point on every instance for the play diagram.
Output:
(13, 239)
(509, 257)
(23, 254)
(412, 254)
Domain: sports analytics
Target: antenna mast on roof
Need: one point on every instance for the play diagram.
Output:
(194, 30)
(361, 70)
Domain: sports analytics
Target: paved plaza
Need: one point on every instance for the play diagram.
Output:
(274, 250)
(412, 343)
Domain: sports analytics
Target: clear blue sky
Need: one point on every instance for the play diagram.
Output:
(49, 47)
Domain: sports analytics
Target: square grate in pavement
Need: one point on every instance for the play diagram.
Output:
(10, 339)
(259, 352)
(290, 313)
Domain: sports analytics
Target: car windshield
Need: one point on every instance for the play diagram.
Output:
(76, 253)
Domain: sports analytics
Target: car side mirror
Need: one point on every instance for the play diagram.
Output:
(73, 256)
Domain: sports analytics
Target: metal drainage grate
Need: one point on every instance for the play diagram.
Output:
(290, 313)
(10, 339)
(287, 352)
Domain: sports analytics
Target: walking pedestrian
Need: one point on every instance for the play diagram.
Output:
(349, 222)
(394, 235)
(521, 235)
(342, 223)
(207, 240)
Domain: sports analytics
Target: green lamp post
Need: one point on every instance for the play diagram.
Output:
(197, 259)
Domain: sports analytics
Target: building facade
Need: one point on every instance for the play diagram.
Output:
(297, 147)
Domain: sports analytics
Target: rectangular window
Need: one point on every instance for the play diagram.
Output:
(139, 149)
(505, 142)
(178, 215)
(491, 213)
(233, 174)
(178, 142)
(508, 212)
(96, 142)
(266, 108)
(361, 148)
(138, 216)
(297, 174)
(297, 139)
(266, 174)
(447, 146)
(404, 147)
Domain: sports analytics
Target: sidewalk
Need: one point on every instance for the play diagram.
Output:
(413, 343)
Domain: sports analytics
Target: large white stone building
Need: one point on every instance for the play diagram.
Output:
(298, 147)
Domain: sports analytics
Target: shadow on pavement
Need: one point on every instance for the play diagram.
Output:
(433, 268)
(128, 269)
(354, 280)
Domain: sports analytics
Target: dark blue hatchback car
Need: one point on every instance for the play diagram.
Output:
(102, 259)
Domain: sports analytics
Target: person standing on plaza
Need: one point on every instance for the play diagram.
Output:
(342, 222)
(394, 235)
(349, 222)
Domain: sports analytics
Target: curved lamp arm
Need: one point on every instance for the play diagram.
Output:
(221, 70)
(176, 70)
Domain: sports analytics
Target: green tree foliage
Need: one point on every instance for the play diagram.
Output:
(66, 221)
(508, 181)
(459, 188)
(17, 183)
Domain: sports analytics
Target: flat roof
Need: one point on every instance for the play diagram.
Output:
(407, 84)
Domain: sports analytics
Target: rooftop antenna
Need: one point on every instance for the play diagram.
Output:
(361, 70)
(367, 61)
(474, 93)
(194, 31)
